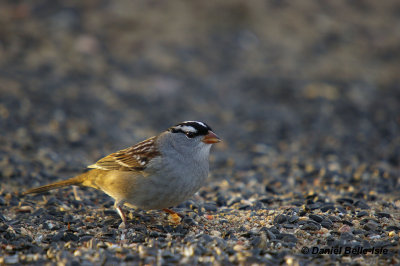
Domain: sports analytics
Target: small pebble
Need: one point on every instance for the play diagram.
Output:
(383, 214)
(362, 205)
(327, 223)
(13, 259)
(316, 218)
(371, 226)
(310, 227)
(293, 219)
(210, 207)
(281, 218)
(362, 214)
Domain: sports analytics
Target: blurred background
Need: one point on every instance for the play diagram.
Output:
(310, 82)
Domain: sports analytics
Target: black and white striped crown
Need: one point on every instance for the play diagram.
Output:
(191, 128)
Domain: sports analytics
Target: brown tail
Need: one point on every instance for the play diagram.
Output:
(78, 180)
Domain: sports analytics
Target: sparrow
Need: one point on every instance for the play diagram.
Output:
(157, 173)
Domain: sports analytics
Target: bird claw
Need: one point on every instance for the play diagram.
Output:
(122, 226)
(173, 217)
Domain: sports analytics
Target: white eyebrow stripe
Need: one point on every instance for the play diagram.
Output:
(188, 129)
(197, 122)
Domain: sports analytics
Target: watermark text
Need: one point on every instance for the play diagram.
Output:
(346, 250)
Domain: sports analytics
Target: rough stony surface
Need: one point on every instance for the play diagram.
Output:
(305, 94)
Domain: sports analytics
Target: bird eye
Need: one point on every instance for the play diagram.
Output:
(189, 134)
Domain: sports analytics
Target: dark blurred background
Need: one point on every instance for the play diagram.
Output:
(309, 81)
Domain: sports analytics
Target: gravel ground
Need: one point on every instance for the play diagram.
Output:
(306, 96)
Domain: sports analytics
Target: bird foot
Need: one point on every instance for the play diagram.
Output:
(118, 205)
(122, 226)
(173, 217)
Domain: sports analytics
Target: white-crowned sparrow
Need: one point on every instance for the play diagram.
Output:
(156, 173)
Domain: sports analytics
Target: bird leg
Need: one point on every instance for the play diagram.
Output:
(173, 216)
(118, 205)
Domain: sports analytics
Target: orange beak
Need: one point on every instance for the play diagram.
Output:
(211, 138)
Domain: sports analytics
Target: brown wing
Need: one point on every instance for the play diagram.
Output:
(132, 158)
